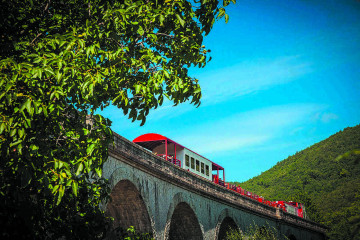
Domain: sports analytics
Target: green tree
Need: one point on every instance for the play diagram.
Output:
(325, 177)
(60, 61)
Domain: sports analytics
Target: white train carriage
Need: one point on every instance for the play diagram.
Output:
(181, 156)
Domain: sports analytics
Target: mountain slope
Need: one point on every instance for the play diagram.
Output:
(329, 186)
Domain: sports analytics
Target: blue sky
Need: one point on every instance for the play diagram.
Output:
(284, 75)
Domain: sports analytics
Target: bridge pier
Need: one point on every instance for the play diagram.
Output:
(160, 198)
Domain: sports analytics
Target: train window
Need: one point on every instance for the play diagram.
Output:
(207, 170)
(202, 168)
(187, 160)
(197, 165)
(192, 163)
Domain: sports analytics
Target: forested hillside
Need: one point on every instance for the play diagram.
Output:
(329, 185)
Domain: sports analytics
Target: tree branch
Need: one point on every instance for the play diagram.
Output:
(89, 6)
(35, 38)
(164, 34)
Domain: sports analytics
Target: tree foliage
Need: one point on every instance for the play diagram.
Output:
(255, 232)
(325, 177)
(60, 61)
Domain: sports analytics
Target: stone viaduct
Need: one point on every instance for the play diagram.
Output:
(160, 198)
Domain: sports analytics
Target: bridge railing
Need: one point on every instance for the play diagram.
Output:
(171, 159)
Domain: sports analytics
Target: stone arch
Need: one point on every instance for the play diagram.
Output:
(225, 223)
(177, 199)
(128, 208)
(184, 224)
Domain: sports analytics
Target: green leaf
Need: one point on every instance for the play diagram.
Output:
(90, 149)
(161, 18)
(221, 13)
(28, 105)
(2, 127)
(79, 169)
(69, 182)
(36, 109)
(198, 89)
(137, 88)
(143, 120)
(45, 111)
(181, 21)
(75, 187)
(8, 86)
(140, 31)
(21, 132)
(98, 171)
(34, 147)
(61, 194)
(13, 132)
(28, 123)
(55, 188)
(49, 71)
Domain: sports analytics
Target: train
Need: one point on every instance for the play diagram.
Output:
(191, 161)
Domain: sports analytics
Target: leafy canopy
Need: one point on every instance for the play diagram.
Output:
(60, 61)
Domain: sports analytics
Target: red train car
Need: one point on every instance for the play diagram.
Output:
(294, 208)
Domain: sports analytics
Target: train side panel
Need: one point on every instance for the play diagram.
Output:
(197, 164)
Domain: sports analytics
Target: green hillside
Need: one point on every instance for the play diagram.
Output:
(328, 185)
